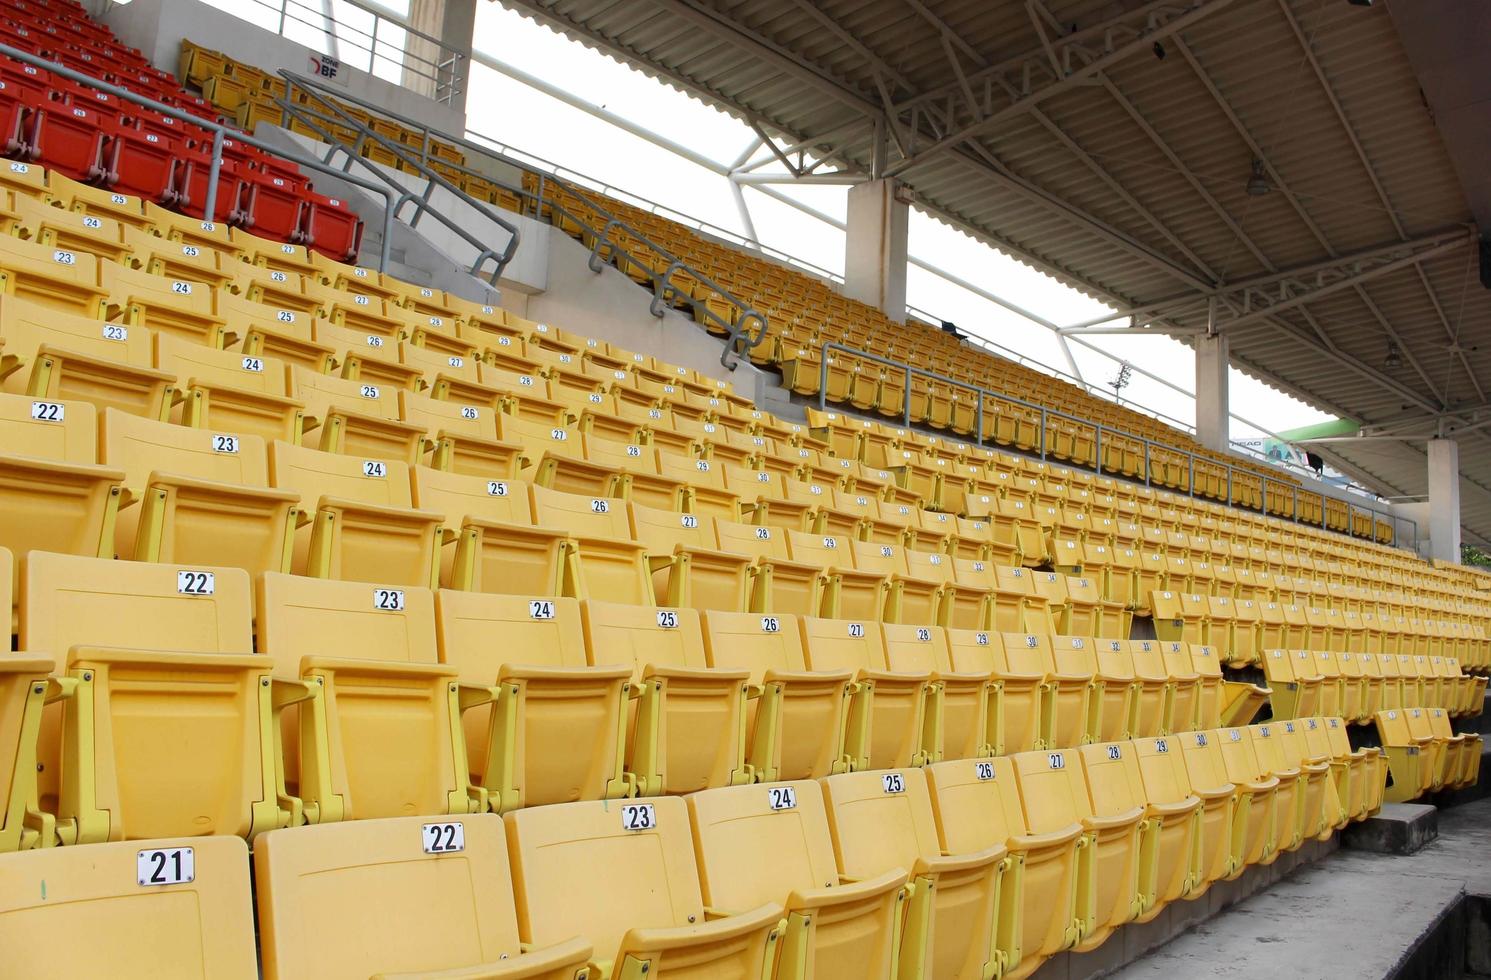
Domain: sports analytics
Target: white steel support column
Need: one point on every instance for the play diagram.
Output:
(875, 247)
(1212, 415)
(1444, 500)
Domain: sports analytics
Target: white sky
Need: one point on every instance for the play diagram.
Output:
(515, 114)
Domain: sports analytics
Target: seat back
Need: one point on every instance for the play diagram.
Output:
(646, 849)
(1053, 791)
(460, 496)
(140, 447)
(324, 892)
(662, 530)
(70, 605)
(976, 803)
(600, 517)
(65, 431)
(168, 908)
(638, 636)
(735, 826)
(880, 820)
(314, 474)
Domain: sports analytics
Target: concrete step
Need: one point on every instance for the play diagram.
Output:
(1354, 914)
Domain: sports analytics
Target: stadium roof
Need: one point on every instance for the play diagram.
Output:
(1273, 165)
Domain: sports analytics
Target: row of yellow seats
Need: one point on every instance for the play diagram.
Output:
(966, 868)
(1425, 754)
(608, 700)
(1356, 685)
(1243, 629)
(669, 550)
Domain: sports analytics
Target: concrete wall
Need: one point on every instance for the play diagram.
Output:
(157, 28)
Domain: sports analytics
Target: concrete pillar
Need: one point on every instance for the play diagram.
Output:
(1444, 500)
(875, 247)
(454, 23)
(1213, 423)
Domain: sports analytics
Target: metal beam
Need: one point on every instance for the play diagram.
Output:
(1371, 172)
(1062, 82)
(1349, 282)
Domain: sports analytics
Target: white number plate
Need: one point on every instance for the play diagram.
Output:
(196, 583)
(390, 600)
(638, 816)
(172, 866)
(444, 838)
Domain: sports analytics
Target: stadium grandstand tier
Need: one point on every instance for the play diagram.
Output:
(510, 652)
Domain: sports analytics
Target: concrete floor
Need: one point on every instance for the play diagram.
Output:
(1352, 914)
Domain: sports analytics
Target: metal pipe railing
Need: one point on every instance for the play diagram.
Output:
(1046, 414)
(289, 108)
(739, 337)
(392, 201)
(442, 71)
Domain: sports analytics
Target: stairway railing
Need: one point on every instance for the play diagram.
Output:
(744, 330)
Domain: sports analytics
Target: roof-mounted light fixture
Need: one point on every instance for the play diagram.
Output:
(1258, 182)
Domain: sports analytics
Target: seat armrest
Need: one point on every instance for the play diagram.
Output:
(527, 672)
(945, 863)
(696, 673)
(1115, 822)
(846, 892)
(1031, 842)
(645, 940)
(381, 668)
(529, 965)
(214, 486)
(378, 510)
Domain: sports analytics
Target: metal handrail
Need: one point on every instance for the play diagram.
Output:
(288, 108)
(739, 335)
(220, 133)
(442, 71)
(1046, 414)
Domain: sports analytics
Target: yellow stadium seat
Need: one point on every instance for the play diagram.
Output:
(326, 893)
(610, 565)
(1296, 793)
(53, 355)
(490, 543)
(365, 648)
(886, 723)
(53, 496)
(847, 592)
(557, 730)
(688, 569)
(357, 520)
(25, 688)
(64, 280)
(1123, 820)
(835, 926)
(159, 655)
(1269, 809)
(1186, 685)
(56, 228)
(1227, 817)
(1325, 810)
(461, 438)
(355, 418)
(1169, 783)
(285, 334)
(228, 390)
(176, 907)
(197, 496)
(176, 306)
(882, 821)
(688, 729)
(795, 717)
(977, 805)
(1187, 828)
(648, 919)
